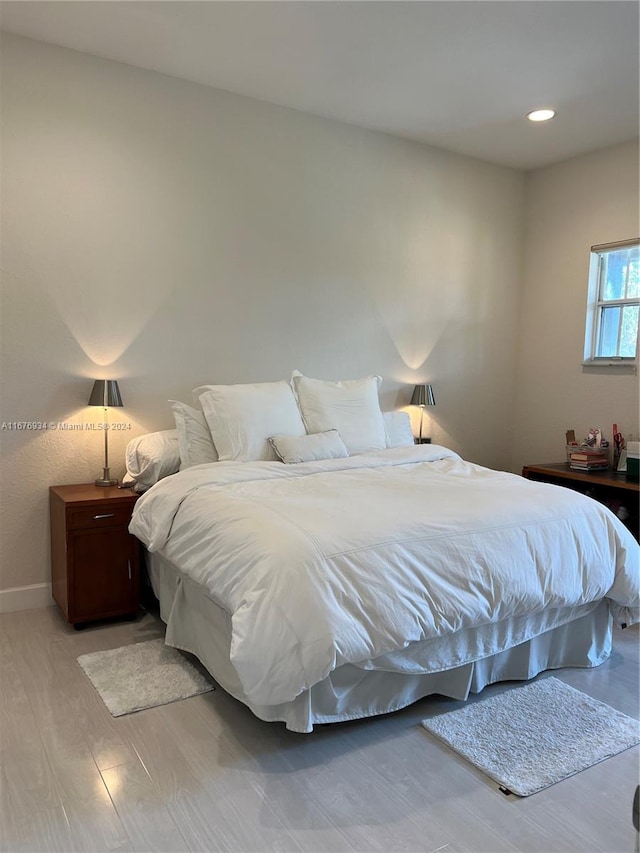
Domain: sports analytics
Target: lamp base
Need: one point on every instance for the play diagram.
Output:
(102, 482)
(423, 440)
(106, 479)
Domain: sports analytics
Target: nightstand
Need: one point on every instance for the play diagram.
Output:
(94, 559)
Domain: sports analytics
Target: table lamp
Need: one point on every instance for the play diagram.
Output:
(105, 393)
(423, 396)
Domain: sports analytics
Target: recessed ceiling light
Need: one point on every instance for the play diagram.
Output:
(540, 115)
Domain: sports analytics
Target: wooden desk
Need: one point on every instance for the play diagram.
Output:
(608, 487)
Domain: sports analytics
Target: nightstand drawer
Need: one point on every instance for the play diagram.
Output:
(98, 516)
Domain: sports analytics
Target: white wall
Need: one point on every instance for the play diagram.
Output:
(570, 206)
(167, 235)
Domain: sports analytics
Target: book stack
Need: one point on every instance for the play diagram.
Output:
(588, 460)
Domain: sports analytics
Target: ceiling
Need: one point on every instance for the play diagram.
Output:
(458, 75)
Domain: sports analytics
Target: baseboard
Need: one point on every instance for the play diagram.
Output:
(25, 597)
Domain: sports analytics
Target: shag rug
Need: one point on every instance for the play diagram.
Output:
(141, 676)
(534, 736)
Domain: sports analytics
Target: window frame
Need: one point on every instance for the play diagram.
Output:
(596, 306)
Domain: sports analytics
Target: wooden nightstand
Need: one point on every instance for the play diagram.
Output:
(94, 559)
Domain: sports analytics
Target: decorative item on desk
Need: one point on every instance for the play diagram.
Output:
(591, 455)
(105, 393)
(423, 396)
(595, 438)
(570, 443)
(618, 447)
(622, 462)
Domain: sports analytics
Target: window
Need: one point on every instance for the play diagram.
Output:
(614, 303)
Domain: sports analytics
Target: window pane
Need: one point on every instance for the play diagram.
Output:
(629, 336)
(615, 268)
(633, 286)
(608, 341)
(614, 273)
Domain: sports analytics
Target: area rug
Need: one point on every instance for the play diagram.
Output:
(141, 676)
(531, 737)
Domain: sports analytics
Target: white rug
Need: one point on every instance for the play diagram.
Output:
(534, 736)
(141, 676)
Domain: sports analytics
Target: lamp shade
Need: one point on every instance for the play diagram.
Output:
(423, 396)
(105, 392)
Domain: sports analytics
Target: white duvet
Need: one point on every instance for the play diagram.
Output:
(345, 560)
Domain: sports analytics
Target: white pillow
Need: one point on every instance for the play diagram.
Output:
(242, 417)
(309, 448)
(350, 406)
(398, 428)
(194, 439)
(151, 457)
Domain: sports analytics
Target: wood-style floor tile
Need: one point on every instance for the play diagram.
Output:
(205, 775)
(44, 831)
(142, 809)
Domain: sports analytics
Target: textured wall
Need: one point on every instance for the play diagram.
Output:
(167, 235)
(571, 206)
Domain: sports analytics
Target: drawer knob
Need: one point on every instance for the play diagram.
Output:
(105, 515)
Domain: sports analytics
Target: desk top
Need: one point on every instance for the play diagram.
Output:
(602, 478)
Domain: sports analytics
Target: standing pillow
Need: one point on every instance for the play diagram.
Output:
(151, 457)
(351, 406)
(194, 439)
(398, 428)
(242, 417)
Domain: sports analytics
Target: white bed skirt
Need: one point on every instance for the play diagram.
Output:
(579, 636)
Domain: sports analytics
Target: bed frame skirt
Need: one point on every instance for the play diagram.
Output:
(198, 625)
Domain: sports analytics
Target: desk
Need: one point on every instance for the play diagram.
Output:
(608, 487)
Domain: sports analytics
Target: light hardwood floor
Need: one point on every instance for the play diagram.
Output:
(205, 775)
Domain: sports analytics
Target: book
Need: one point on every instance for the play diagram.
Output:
(588, 457)
(587, 466)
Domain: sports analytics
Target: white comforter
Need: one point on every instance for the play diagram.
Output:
(345, 560)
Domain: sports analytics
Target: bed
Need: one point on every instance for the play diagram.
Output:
(346, 587)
